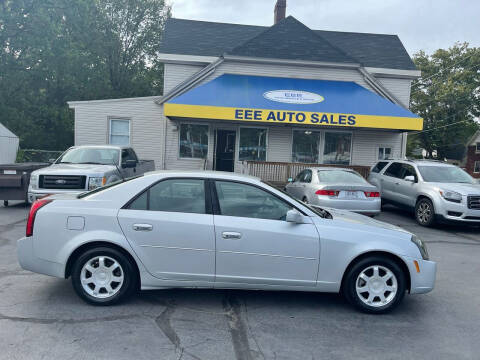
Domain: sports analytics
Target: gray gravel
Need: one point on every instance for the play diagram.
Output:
(41, 317)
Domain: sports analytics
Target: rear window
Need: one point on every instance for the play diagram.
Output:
(380, 165)
(340, 176)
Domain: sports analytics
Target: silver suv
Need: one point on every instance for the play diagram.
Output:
(436, 191)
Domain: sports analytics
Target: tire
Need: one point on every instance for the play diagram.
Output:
(305, 200)
(115, 283)
(425, 212)
(376, 298)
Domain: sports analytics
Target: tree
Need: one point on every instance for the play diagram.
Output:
(53, 51)
(447, 96)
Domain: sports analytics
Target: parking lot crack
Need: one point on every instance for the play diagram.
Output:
(35, 320)
(237, 327)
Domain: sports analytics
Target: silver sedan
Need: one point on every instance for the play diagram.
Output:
(337, 188)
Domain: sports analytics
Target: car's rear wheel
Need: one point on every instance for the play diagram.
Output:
(425, 212)
(103, 276)
(375, 285)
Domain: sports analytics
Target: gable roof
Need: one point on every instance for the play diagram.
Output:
(290, 39)
(191, 37)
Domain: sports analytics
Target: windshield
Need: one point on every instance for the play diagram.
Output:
(445, 174)
(339, 177)
(103, 156)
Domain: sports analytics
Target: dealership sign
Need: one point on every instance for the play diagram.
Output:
(293, 96)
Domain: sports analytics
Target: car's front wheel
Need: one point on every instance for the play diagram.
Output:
(425, 212)
(375, 284)
(103, 276)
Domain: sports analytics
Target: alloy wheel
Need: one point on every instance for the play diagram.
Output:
(101, 277)
(376, 286)
(424, 212)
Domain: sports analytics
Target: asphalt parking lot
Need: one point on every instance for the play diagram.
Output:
(41, 317)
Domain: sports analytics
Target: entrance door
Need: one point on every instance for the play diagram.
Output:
(225, 150)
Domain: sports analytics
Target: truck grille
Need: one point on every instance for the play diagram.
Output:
(473, 202)
(61, 182)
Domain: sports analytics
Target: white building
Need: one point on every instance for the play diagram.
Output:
(8, 146)
(222, 82)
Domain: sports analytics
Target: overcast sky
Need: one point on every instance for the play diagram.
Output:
(420, 24)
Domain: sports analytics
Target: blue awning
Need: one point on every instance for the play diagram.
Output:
(295, 101)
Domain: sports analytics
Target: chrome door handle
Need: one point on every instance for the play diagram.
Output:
(231, 235)
(142, 227)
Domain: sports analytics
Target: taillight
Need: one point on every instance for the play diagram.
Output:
(327, 192)
(372, 194)
(33, 211)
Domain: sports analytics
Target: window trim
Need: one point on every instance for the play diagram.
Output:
(475, 163)
(237, 141)
(208, 199)
(324, 143)
(384, 147)
(179, 156)
(320, 143)
(109, 125)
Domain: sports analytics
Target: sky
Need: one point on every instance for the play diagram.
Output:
(421, 24)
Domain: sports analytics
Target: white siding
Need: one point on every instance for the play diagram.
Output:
(365, 145)
(147, 128)
(175, 74)
(400, 88)
(8, 149)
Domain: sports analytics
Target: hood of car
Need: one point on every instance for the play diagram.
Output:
(464, 189)
(355, 218)
(75, 169)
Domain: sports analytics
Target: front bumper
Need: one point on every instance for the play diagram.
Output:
(456, 212)
(423, 281)
(40, 193)
(28, 260)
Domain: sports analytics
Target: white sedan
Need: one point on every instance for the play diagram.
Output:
(218, 230)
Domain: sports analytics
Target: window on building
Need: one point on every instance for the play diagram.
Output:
(253, 144)
(193, 141)
(384, 153)
(476, 167)
(337, 148)
(305, 146)
(478, 147)
(119, 132)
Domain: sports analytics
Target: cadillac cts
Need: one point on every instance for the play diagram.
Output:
(218, 230)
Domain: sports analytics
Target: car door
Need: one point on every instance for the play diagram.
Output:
(389, 182)
(293, 189)
(255, 245)
(304, 185)
(407, 190)
(170, 227)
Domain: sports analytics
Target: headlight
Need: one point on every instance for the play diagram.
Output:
(451, 195)
(34, 181)
(421, 246)
(96, 182)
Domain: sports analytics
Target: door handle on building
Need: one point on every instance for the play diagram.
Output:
(231, 235)
(142, 227)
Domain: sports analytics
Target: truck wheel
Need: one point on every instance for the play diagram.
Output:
(103, 276)
(375, 285)
(425, 212)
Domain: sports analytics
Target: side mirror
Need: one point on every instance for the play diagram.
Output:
(410, 178)
(129, 164)
(290, 179)
(294, 216)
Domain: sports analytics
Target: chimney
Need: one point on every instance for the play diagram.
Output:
(279, 11)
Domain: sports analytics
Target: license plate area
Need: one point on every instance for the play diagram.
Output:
(350, 194)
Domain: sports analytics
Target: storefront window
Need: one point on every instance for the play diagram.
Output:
(193, 141)
(305, 146)
(253, 144)
(337, 148)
